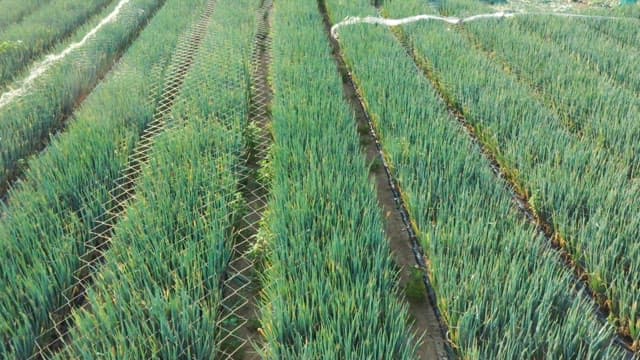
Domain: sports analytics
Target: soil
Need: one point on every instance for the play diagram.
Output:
(425, 322)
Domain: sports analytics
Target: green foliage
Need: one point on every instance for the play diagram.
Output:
(6, 46)
(43, 28)
(564, 127)
(44, 228)
(502, 291)
(159, 293)
(265, 172)
(14, 11)
(159, 290)
(415, 289)
(584, 175)
(252, 135)
(330, 285)
(27, 122)
(258, 251)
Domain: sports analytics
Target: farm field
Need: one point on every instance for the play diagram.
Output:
(279, 179)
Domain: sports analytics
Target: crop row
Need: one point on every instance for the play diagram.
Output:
(49, 215)
(502, 291)
(587, 189)
(40, 30)
(13, 11)
(592, 65)
(329, 285)
(27, 122)
(602, 113)
(159, 293)
(579, 188)
(597, 51)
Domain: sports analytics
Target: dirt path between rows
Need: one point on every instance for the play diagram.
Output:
(241, 300)
(422, 311)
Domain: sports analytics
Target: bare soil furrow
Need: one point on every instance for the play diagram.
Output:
(407, 252)
(240, 304)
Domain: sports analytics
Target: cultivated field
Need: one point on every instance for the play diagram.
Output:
(234, 179)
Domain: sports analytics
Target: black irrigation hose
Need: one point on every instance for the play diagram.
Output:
(359, 107)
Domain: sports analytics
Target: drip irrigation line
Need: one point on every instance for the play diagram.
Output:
(353, 20)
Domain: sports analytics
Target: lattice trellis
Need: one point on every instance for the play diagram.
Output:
(239, 287)
(238, 284)
(123, 191)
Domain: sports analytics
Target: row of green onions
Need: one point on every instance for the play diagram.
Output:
(597, 50)
(13, 11)
(583, 182)
(49, 215)
(330, 285)
(39, 32)
(503, 292)
(593, 106)
(623, 31)
(29, 120)
(159, 294)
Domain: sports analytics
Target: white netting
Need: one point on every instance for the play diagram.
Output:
(123, 191)
(238, 287)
